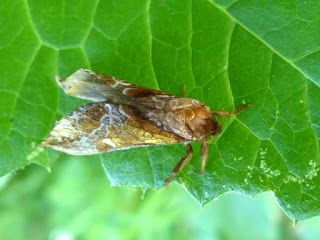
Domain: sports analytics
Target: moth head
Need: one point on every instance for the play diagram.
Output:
(202, 123)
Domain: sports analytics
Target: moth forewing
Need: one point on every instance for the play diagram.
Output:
(102, 127)
(127, 115)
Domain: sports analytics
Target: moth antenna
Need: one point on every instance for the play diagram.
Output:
(224, 113)
(222, 118)
(184, 90)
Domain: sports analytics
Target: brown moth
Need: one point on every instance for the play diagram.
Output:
(125, 115)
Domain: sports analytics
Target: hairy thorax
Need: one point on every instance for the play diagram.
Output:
(200, 121)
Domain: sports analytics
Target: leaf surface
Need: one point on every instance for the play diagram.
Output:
(226, 52)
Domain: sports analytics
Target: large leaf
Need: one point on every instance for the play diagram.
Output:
(226, 52)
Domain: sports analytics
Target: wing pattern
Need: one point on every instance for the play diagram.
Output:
(125, 115)
(102, 127)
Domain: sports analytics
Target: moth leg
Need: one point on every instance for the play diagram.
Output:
(230, 114)
(184, 91)
(204, 156)
(183, 162)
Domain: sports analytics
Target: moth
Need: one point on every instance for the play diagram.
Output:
(124, 115)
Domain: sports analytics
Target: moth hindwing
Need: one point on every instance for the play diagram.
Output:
(124, 115)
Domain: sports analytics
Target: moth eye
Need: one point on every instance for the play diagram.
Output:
(216, 129)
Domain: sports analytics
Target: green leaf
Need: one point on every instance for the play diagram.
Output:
(226, 52)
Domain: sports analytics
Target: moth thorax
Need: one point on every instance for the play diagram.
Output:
(202, 123)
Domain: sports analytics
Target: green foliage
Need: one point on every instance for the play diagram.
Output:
(226, 52)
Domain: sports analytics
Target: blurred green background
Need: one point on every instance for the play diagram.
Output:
(75, 201)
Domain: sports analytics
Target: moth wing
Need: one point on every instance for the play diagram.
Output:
(93, 86)
(98, 87)
(102, 127)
